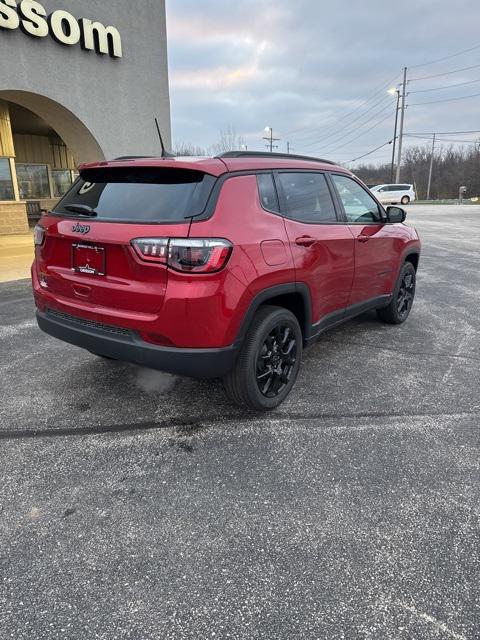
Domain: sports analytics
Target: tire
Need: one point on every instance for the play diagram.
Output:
(269, 360)
(405, 200)
(403, 295)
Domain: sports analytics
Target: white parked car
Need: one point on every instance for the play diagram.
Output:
(394, 193)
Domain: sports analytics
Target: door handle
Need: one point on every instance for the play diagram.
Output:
(363, 238)
(305, 241)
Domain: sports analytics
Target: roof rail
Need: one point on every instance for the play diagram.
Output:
(132, 158)
(267, 154)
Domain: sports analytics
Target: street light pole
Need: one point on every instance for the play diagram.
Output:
(392, 168)
(402, 118)
(431, 168)
(271, 139)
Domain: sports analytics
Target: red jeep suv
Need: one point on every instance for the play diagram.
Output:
(222, 267)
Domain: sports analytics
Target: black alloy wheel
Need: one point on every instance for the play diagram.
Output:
(268, 362)
(400, 305)
(276, 361)
(405, 294)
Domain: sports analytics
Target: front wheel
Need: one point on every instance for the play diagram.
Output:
(268, 363)
(402, 299)
(405, 199)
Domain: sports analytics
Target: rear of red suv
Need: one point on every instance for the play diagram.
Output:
(190, 266)
(116, 273)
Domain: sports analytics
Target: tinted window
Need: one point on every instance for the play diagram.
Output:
(307, 197)
(358, 204)
(268, 194)
(143, 194)
(399, 187)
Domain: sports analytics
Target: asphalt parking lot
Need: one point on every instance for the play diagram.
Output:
(136, 505)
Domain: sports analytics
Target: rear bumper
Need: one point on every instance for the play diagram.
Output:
(127, 346)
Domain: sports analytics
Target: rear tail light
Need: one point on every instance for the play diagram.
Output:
(152, 249)
(204, 255)
(190, 255)
(39, 235)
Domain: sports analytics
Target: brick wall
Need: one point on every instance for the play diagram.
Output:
(13, 218)
(48, 203)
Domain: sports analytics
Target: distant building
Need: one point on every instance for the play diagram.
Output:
(80, 80)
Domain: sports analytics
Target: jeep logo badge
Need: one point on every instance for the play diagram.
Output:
(81, 228)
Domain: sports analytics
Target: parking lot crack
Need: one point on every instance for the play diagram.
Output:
(191, 426)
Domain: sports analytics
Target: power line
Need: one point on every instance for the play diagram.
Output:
(446, 73)
(417, 104)
(425, 136)
(343, 132)
(446, 86)
(457, 141)
(370, 152)
(334, 129)
(359, 136)
(365, 101)
(444, 139)
(453, 55)
(442, 133)
(320, 143)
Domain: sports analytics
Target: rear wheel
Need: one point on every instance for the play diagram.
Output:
(405, 199)
(402, 300)
(269, 360)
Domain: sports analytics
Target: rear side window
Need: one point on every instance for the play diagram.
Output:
(307, 197)
(139, 194)
(267, 191)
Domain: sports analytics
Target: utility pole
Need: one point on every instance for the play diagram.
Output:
(288, 147)
(270, 139)
(431, 168)
(402, 118)
(392, 169)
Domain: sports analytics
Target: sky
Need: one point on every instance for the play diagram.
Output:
(317, 72)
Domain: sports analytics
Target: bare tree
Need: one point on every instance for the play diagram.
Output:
(229, 140)
(188, 149)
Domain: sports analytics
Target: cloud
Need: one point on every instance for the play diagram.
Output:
(303, 67)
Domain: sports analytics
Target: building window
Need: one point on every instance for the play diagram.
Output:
(6, 182)
(62, 181)
(33, 181)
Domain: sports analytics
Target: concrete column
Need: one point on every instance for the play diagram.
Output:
(6, 137)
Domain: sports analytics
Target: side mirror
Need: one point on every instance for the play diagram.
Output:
(396, 215)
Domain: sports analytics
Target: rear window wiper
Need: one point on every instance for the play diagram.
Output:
(82, 209)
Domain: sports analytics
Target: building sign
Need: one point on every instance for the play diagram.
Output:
(31, 17)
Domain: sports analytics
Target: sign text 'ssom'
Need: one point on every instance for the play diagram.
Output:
(31, 17)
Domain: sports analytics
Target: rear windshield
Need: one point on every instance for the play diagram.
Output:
(146, 194)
